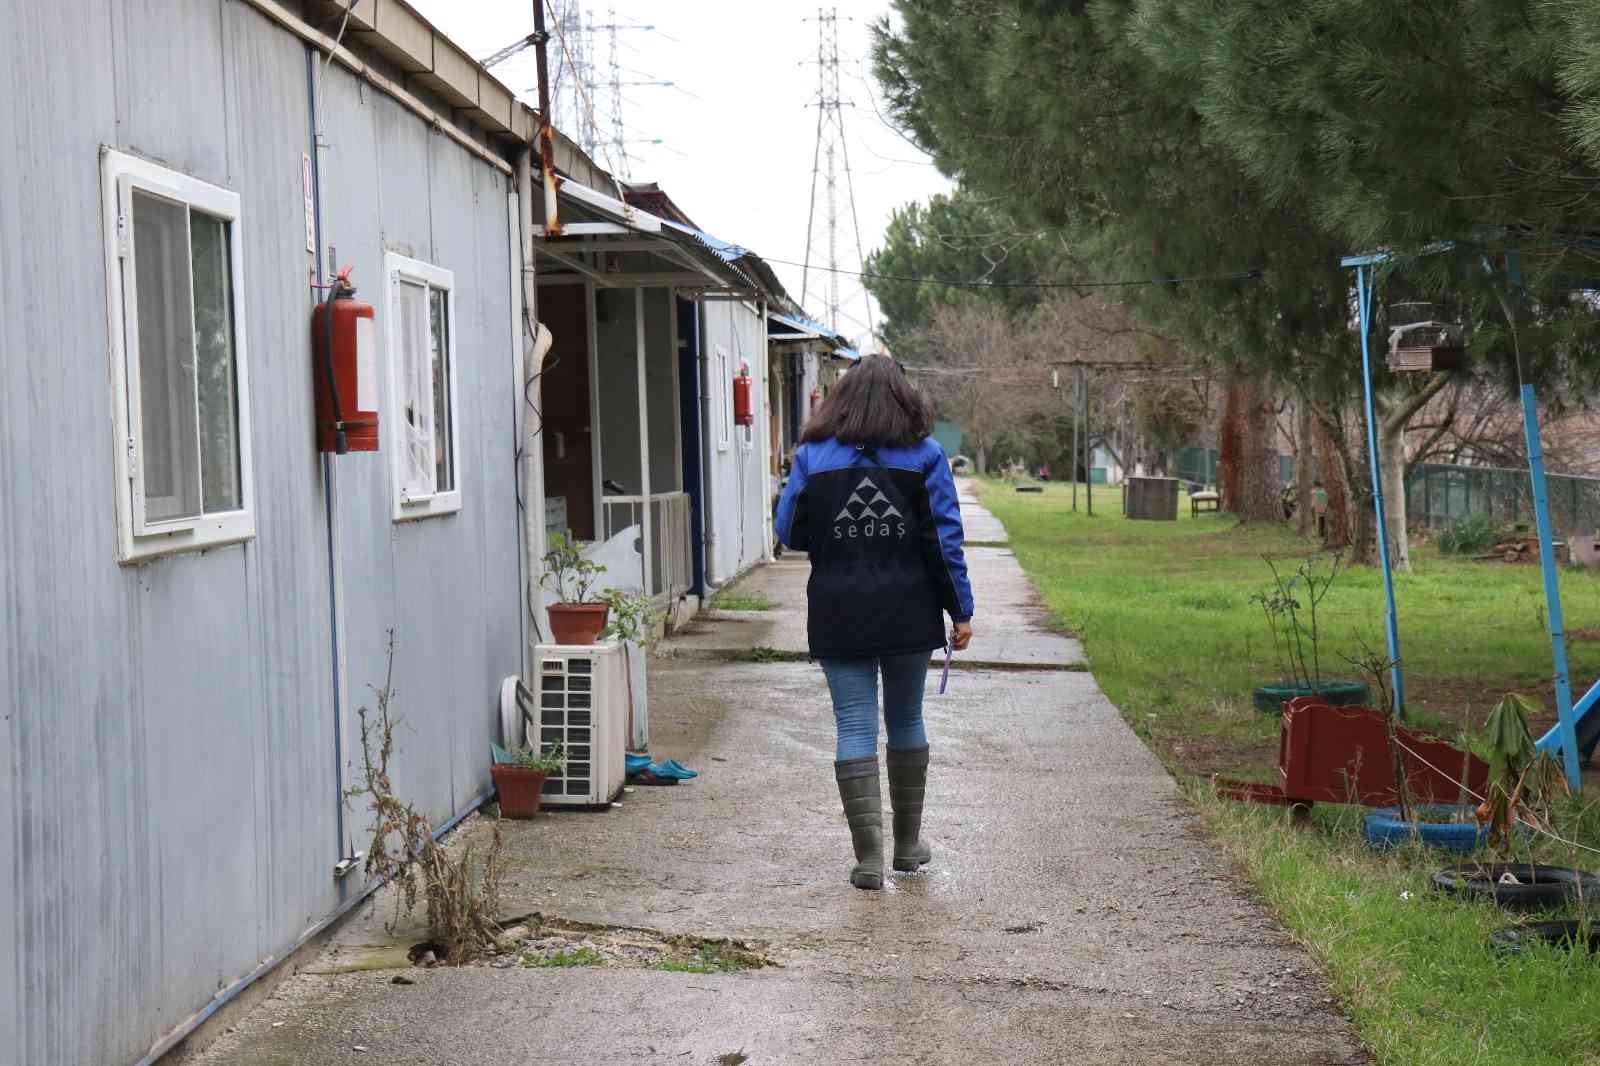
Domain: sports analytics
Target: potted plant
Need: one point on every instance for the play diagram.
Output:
(520, 781)
(575, 618)
(1290, 607)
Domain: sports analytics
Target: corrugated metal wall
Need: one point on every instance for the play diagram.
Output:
(738, 482)
(168, 730)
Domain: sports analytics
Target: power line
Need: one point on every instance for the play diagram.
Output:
(1084, 283)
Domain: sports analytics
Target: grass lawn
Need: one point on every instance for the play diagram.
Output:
(1164, 612)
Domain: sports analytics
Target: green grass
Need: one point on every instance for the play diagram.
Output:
(733, 601)
(1413, 970)
(1164, 611)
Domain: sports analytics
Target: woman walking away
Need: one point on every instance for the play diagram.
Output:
(871, 498)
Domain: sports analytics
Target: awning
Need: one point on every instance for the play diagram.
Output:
(794, 326)
(614, 244)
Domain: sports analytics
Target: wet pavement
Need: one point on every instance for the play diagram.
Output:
(1015, 631)
(1074, 911)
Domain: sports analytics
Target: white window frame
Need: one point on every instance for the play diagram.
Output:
(398, 268)
(724, 398)
(138, 539)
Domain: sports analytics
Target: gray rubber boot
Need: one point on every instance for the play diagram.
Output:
(908, 779)
(863, 809)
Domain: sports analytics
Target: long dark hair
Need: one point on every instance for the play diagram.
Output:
(874, 404)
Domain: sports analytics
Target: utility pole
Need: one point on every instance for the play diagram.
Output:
(1077, 390)
(1088, 444)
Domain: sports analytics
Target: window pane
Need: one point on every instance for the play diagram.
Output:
(415, 388)
(168, 434)
(214, 360)
(444, 458)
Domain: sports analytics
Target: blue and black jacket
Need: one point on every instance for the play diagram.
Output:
(883, 529)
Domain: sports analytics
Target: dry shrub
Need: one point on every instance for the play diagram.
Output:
(461, 900)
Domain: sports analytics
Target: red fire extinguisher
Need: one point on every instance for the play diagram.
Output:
(816, 400)
(344, 365)
(743, 415)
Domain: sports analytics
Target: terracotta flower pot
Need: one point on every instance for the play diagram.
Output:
(577, 623)
(521, 789)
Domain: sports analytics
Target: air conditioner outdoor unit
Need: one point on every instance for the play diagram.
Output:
(581, 704)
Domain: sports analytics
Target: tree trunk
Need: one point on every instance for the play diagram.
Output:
(1258, 495)
(1304, 520)
(982, 458)
(1334, 459)
(1230, 438)
(1392, 472)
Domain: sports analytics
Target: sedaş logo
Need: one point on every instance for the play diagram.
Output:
(868, 513)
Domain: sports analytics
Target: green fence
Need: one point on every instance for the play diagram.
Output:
(1196, 465)
(1437, 495)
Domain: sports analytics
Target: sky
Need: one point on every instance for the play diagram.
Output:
(736, 134)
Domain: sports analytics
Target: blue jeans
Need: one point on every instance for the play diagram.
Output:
(854, 686)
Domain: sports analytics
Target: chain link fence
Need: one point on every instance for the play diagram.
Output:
(1437, 495)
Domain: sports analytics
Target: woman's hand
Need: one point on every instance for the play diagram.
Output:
(960, 635)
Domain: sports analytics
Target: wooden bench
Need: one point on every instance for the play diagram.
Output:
(1203, 501)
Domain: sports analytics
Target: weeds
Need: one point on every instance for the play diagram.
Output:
(582, 956)
(710, 958)
(1471, 534)
(460, 899)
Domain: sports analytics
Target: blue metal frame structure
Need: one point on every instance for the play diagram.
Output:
(1565, 734)
(1366, 282)
(1566, 726)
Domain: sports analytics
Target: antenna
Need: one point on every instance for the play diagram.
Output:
(831, 154)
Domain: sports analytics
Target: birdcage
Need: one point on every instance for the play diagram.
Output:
(1424, 344)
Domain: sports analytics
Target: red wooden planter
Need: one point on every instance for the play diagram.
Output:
(1341, 755)
(520, 789)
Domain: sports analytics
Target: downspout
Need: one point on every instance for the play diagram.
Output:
(536, 342)
(330, 500)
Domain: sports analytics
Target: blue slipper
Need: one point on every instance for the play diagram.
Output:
(683, 771)
(671, 770)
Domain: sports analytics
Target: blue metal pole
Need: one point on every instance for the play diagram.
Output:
(1364, 287)
(1552, 590)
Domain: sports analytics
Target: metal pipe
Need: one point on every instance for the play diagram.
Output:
(1552, 590)
(1088, 442)
(547, 131)
(1364, 286)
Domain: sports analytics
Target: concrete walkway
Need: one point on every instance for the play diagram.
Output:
(1074, 912)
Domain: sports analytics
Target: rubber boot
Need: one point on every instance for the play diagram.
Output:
(908, 779)
(863, 809)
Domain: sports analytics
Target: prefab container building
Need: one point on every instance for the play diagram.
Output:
(194, 600)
